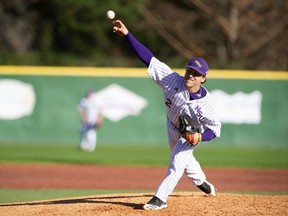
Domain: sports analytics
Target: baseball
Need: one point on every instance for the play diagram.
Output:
(110, 14)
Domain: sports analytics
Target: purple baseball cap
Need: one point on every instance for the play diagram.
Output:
(198, 64)
(90, 91)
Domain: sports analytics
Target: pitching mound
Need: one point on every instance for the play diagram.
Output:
(184, 203)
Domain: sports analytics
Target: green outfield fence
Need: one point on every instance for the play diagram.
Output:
(54, 93)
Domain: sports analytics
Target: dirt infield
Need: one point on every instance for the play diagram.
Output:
(139, 178)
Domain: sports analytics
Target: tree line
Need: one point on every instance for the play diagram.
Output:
(230, 34)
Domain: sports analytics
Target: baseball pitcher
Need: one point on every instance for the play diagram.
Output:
(190, 117)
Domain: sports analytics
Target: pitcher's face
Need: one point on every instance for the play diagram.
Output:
(193, 80)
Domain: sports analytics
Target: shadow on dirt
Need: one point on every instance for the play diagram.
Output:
(92, 200)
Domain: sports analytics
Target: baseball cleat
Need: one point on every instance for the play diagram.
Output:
(155, 204)
(208, 188)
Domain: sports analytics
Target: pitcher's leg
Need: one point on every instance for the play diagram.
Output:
(175, 170)
(195, 173)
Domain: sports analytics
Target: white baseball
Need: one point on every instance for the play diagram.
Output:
(110, 14)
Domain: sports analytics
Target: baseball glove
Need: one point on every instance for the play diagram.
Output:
(185, 128)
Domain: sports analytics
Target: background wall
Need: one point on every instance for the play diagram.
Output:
(55, 117)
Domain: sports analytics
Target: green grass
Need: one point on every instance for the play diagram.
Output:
(243, 157)
(143, 155)
(115, 155)
(127, 155)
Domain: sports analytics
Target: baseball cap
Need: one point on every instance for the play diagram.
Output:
(198, 64)
(90, 91)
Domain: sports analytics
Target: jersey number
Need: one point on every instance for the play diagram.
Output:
(168, 102)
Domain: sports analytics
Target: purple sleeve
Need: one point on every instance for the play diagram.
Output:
(208, 135)
(143, 53)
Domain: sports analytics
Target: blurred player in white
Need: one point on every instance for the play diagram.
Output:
(182, 95)
(91, 120)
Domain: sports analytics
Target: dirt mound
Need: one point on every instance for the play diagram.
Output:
(184, 203)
